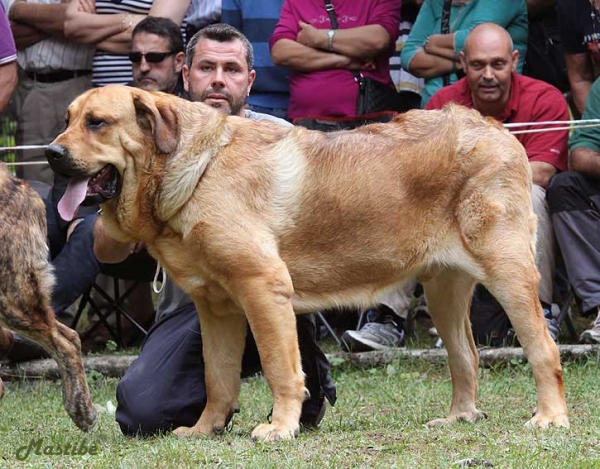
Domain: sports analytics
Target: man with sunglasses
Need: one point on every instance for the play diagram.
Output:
(164, 388)
(157, 55)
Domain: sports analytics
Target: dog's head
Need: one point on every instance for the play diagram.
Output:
(109, 131)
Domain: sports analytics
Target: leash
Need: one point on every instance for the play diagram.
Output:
(159, 269)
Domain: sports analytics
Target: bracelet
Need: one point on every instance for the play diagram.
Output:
(125, 27)
(330, 35)
(425, 43)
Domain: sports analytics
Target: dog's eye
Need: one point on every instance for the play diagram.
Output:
(96, 124)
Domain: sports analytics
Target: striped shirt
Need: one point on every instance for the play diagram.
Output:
(257, 19)
(203, 12)
(53, 54)
(403, 80)
(112, 68)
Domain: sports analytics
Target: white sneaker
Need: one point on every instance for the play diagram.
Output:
(592, 336)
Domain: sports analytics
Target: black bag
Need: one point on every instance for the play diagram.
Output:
(489, 322)
(445, 29)
(374, 96)
(331, 124)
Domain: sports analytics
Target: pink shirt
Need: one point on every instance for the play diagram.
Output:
(334, 92)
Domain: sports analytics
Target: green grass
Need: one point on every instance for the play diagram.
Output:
(378, 422)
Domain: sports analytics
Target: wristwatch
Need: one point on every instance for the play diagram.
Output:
(330, 35)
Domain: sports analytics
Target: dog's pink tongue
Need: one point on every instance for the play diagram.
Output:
(70, 201)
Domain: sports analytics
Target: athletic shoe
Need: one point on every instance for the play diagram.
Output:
(592, 336)
(374, 336)
(553, 326)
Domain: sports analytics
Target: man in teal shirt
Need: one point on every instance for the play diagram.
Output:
(574, 201)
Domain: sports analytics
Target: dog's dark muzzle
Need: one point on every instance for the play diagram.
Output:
(59, 160)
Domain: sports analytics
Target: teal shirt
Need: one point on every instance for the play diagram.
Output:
(510, 14)
(588, 137)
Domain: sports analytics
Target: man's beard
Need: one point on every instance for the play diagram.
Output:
(157, 86)
(235, 104)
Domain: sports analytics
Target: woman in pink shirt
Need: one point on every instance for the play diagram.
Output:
(321, 58)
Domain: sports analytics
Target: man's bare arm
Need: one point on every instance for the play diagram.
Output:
(48, 19)
(8, 82)
(362, 42)
(541, 172)
(303, 58)
(581, 78)
(586, 161)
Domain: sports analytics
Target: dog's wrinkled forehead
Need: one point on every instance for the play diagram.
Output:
(108, 103)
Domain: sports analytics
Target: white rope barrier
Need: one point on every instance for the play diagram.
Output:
(24, 163)
(532, 131)
(576, 122)
(572, 124)
(24, 147)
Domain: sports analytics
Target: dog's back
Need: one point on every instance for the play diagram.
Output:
(359, 210)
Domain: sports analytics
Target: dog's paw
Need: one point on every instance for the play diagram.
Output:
(88, 421)
(543, 422)
(188, 432)
(268, 432)
(470, 417)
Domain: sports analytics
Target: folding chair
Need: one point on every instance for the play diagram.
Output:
(140, 268)
(564, 316)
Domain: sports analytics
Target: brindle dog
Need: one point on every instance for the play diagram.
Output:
(26, 282)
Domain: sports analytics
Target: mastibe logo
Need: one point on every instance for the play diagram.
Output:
(52, 448)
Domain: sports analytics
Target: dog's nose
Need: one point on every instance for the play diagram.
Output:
(55, 152)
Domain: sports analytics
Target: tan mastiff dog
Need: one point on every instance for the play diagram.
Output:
(256, 222)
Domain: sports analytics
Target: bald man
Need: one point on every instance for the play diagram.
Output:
(493, 87)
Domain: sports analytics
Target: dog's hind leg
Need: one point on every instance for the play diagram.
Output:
(223, 342)
(514, 285)
(448, 299)
(63, 344)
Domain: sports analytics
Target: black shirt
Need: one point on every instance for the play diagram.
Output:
(579, 26)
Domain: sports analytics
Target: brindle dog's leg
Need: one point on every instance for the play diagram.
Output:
(5, 344)
(64, 346)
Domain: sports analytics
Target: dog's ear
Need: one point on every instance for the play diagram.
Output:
(160, 118)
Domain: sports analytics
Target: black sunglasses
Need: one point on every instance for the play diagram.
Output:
(151, 57)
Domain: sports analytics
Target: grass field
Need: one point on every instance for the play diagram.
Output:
(378, 422)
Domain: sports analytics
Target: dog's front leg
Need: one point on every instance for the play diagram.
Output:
(267, 300)
(223, 341)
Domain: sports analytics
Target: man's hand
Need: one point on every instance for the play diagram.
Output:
(311, 36)
(541, 172)
(87, 6)
(360, 64)
(109, 250)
